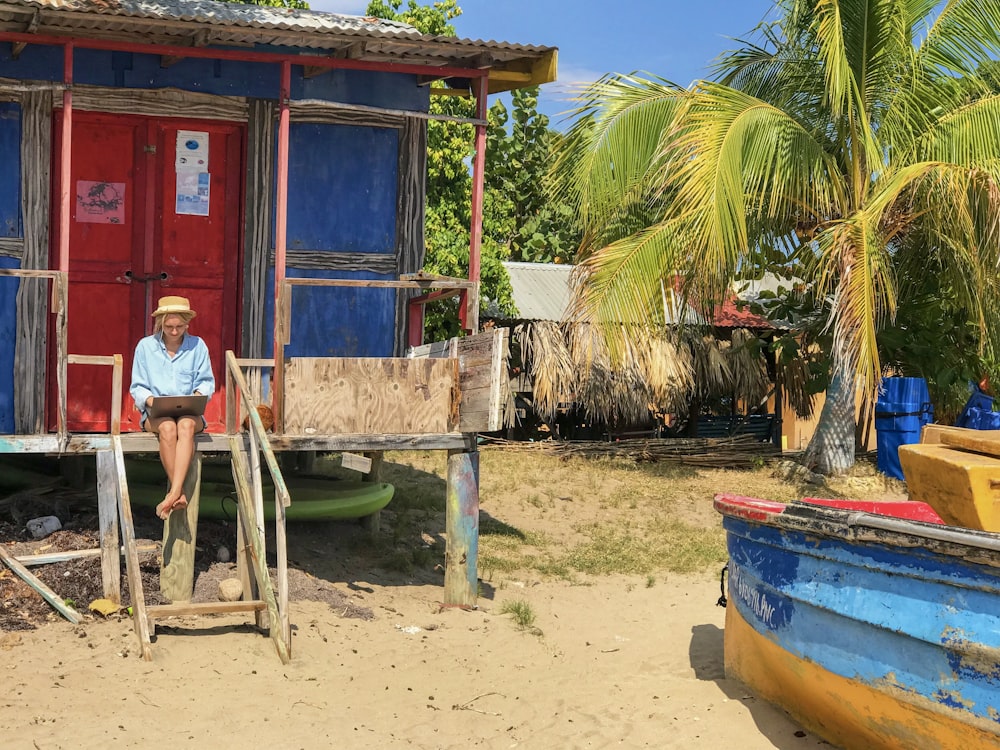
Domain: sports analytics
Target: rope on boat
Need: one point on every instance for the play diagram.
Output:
(722, 587)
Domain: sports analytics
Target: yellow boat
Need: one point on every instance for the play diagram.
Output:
(957, 472)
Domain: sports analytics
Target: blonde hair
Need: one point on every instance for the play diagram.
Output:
(158, 320)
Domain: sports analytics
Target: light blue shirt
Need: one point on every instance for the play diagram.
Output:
(156, 373)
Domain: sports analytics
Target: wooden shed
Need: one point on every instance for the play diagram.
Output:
(270, 165)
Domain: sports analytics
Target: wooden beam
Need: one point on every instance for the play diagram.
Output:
(47, 558)
(136, 442)
(159, 611)
(46, 593)
(353, 51)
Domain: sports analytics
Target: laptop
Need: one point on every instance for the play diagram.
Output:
(177, 406)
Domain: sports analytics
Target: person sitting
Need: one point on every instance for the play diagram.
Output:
(172, 362)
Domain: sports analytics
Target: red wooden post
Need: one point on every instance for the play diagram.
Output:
(415, 321)
(280, 233)
(65, 151)
(478, 180)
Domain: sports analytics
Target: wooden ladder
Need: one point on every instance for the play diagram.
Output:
(270, 612)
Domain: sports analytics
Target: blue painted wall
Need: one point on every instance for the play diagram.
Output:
(10, 171)
(342, 183)
(335, 321)
(8, 309)
(226, 77)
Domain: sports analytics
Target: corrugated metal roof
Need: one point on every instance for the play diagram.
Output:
(541, 290)
(208, 23)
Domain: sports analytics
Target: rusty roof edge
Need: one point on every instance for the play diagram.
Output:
(242, 22)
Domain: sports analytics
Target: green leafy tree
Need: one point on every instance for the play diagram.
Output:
(520, 213)
(860, 135)
(450, 146)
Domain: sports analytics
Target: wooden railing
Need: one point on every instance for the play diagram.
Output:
(250, 495)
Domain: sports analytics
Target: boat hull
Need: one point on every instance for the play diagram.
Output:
(867, 632)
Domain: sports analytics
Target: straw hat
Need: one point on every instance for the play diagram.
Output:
(174, 306)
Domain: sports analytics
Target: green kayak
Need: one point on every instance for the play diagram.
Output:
(313, 499)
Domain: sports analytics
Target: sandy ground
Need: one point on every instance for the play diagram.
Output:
(630, 662)
(616, 664)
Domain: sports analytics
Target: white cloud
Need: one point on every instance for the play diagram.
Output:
(347, 7)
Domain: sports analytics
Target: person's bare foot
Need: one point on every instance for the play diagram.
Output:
(164, 508)
(169, 504)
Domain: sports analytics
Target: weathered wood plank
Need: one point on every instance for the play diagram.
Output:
(46, 558)
(137, 442)
(380, 284)
(46, 593)
(180, 535)
(258, 556)
(159, 611)
(345, 395)
(136, 592)
(461, 583)
(986, 442)
(107, 514)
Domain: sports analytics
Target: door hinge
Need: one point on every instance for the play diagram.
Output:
(149, 148)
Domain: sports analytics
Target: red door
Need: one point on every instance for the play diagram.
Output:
(146, 223)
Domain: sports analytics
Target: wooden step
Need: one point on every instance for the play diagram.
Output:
(177, 609)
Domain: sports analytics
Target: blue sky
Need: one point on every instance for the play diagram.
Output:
(674, 39)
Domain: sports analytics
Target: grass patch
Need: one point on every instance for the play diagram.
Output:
(521, 613)
(564, 518)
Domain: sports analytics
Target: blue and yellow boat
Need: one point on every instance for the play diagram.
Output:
(875, 625)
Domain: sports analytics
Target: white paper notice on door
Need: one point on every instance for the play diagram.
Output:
(192, 151)
(193, 192)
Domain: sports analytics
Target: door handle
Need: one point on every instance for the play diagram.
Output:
(161, 276)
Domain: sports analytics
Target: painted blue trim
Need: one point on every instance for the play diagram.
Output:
(8, 312)
(10, 174)
(927, 624)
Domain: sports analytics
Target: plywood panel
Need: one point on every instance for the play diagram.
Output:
(370, 396)
(482, 374)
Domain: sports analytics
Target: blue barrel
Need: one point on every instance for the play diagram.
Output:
(902, 409)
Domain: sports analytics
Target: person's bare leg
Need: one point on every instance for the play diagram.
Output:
(183, 453)
(166, 430)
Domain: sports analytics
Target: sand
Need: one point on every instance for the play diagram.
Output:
(613, 663)
(377, 662)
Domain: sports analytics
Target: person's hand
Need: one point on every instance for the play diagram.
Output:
(149, 401)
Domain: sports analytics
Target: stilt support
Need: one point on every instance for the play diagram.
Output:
(461, 582)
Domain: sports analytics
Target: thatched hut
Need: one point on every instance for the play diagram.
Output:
(708, 373)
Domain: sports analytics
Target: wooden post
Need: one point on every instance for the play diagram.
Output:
(373, 523)
(116, 394)
(470, 312)
(180, 533)
(107, 513)
(280, 238)
(461, 582)
(135, 590)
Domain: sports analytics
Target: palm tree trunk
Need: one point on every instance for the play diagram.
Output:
(831, 450)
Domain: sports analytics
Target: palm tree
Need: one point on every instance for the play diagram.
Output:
(861, 135)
